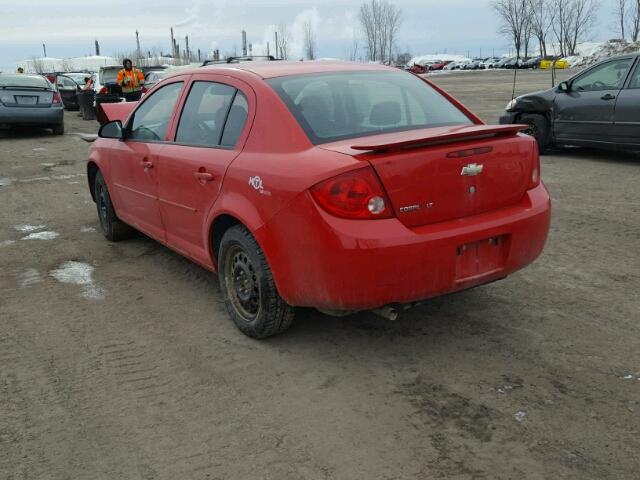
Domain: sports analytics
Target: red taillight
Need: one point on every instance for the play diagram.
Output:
(103, 91)
(144, 90)
(56, 98)
(534, 180)
(357, 194)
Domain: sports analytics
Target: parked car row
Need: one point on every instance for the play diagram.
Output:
(489, 63)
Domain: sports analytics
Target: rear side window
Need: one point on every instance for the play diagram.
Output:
(334, 106)
(635, 78)
(151, 119)
(205, 113)
(235, 121)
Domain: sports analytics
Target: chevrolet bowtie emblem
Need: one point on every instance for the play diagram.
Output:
(471, 170)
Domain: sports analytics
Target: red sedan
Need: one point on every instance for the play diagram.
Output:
(338, 186)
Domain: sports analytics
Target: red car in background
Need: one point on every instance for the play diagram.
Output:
(338, 186)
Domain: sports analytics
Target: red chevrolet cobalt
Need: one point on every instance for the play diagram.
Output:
(338, 186)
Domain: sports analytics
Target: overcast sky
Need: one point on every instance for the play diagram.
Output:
(69, 27)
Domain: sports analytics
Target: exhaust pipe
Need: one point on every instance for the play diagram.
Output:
(388, 312)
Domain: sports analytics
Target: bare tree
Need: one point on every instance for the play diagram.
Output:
(351, 50)
(634, 24)
(583, 14)
(284, 38)
(380, 22)
(514, 21)
(541, 16)
(621, 13)
(309, 40)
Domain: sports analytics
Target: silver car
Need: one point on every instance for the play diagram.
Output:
(30, 100)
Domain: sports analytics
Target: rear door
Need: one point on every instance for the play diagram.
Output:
(209, 134)
(627, 112)
(134, 162)
(585, 113)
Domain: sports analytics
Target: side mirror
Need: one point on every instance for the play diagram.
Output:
(111, 130)
(564, 87)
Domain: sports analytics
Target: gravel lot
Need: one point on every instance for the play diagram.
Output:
(118, 361)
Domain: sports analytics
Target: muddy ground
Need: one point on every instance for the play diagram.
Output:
(123, 364)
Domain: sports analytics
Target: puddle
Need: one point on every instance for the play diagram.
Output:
(46, 235)
(78, 273)
(29, 277)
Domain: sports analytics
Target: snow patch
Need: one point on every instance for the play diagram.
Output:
(6, 243)
(29, 277)
(520, 416)
(87, 229)
(4, 182)
(78, 273)
(28, 228)
(46, 235)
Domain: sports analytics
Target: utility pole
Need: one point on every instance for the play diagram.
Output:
(173, 44)
(199, 60)
(44, 49)
(138, 53)
(244, 43)
(186, 46)
(250, 49)
(97, 48)
(267, 49)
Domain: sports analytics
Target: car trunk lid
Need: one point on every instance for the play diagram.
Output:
(444, 173)
(26, 96)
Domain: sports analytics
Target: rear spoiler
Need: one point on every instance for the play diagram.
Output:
(433, 136)
(108, 112)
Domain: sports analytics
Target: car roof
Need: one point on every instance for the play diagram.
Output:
(284, 68)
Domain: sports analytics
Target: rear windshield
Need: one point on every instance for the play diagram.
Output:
(109, 76)
(23, 81)
(335, 106)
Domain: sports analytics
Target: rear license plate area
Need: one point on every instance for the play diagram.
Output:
(26, 100)
(481, 257)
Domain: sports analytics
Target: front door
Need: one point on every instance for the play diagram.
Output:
(627, 114)
(68, 89)
(134, 162)
(585, 112)
(208, 137)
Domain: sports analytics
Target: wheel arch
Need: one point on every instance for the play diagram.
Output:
(92, 171)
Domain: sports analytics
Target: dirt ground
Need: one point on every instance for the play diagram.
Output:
(118, 361)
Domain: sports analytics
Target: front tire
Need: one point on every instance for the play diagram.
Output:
(112, 227)
(538, 128)
(249, 291)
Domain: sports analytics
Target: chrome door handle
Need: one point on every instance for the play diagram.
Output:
(203, 176)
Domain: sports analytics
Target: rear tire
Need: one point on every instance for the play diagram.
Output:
(58, 129)
(538, 129)
(112, 227)
(249, 291)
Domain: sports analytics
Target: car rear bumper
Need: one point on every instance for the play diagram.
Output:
(331, 263)
(31, 116)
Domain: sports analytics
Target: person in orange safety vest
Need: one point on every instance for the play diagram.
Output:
(130, 80)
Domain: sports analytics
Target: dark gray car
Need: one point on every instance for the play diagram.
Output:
(598, 107)
(30, 100)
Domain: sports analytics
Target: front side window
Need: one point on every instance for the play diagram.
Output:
(151, 119)
(635, 78)
(205, 113)
(334, 106)
(608, 76)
